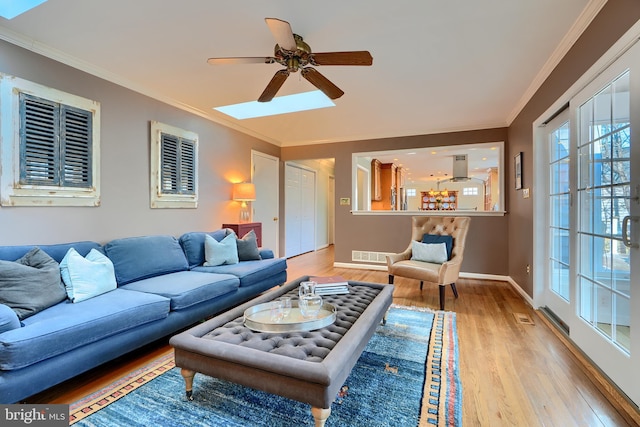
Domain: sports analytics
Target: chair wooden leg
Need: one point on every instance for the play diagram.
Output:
(442, 289)
(391, 279)
(421, 283)
(455, 291)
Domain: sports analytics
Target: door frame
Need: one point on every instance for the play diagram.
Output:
(275, 185)
(584, 337)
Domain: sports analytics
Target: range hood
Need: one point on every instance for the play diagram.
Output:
(460, 168)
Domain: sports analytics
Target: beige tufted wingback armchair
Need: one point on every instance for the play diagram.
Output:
(441, 274)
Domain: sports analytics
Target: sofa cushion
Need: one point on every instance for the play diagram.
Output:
(187, 288)
(248, 247)
(66, 326)
(136, 258)
(8, 319)
(193, 244)
(222, 252)
(57, 251)
(249, 272)
(87, 277)
(31, 283)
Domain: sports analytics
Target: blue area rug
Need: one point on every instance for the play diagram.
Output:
(406, 376)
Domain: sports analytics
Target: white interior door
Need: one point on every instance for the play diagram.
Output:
(299, 201)
(266, 178)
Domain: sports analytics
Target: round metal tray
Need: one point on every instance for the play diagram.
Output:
(258, 318)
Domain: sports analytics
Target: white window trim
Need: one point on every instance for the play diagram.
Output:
(12, 193)
(159, 200)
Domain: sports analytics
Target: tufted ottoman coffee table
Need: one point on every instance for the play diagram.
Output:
(309, 367)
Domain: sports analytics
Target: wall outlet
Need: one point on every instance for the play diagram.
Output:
(528, 269)
(525, 193)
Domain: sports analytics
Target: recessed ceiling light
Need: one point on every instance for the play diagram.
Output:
(9, 9)
(278, 105)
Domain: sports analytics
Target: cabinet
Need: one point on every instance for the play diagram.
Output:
(243, 228)
(438, 200)
(388, 190)
(376, 194)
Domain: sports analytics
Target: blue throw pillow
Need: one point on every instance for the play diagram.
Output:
(88, 277)
(437, 238)
(222, 252)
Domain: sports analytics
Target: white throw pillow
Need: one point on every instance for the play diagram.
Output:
(88, 277)
(429, 252)
(222, 252)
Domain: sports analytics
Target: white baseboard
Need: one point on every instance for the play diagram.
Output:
(464, 275)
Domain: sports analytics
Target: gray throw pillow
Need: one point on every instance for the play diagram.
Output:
(248, 247)
(31, 283)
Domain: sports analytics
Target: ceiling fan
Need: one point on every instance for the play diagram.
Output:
(296, 55)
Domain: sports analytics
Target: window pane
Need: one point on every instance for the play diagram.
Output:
(602, 110)
(560, 279)
(621, 101)
(560, 143)
(560, 245)
(623, 322)
(586, 296)
(603, 310)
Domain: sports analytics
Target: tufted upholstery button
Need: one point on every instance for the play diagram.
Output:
(311, 346)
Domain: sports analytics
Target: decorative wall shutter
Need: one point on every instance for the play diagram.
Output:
(178, 163)
(169, 163)
(55, 143)
(76, 146)
(188, 167)
(39, 147)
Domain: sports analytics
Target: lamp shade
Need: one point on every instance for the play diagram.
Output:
(244, 192)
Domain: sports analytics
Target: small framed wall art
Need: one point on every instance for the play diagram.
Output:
(518, 170)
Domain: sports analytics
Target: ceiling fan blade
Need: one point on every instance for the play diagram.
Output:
(282, 32)
(322, 83)
(361, 57)
(242, 60)
(274, 85)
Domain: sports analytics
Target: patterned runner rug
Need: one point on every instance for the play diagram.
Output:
(406, 376)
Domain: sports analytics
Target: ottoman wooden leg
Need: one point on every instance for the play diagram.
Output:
(188, 375)
(320, 415)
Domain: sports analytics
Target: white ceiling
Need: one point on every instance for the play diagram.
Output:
(437, 65)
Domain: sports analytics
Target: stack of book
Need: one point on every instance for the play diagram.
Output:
(331, 285)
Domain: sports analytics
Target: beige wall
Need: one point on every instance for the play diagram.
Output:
(495, 245)
(612, 22)
(391, 233)
(224, 155)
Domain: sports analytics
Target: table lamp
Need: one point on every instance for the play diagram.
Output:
(244, 192)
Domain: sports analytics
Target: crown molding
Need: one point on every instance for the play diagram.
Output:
(586, 17)
(64, 58)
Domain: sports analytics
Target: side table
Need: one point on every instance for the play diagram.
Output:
(243, 228)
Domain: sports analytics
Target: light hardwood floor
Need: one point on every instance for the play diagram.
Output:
(513, 373)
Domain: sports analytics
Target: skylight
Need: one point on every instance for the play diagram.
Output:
(278, 105)
(9, 9)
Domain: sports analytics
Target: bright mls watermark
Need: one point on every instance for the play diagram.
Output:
(34, 415)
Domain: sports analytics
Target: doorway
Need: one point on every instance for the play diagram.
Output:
(590, 205)
(265, 171)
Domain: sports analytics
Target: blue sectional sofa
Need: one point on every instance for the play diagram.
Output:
(162, 287)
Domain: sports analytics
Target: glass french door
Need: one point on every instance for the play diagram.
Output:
(592, 261)
(557, 148)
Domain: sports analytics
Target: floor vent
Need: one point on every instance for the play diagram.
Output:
(523, 319)
(368, 256)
